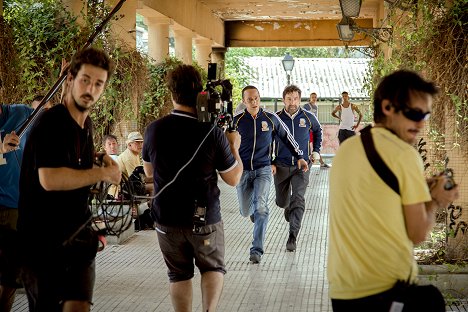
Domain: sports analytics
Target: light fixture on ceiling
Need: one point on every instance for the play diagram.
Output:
(350, 8)
(344, 29)
(347, 27)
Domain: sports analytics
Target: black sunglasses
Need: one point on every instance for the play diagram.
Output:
(415, 114)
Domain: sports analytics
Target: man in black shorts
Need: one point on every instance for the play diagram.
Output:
(183, 156)
(57, 245)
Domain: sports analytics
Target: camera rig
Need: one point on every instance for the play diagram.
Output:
(214, 107)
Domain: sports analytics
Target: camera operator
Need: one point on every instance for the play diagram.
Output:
(57, 245)
(183, 155)
(375, 220)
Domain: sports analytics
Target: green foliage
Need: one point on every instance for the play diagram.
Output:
(44, 33)
(431, 39)
(157, 99)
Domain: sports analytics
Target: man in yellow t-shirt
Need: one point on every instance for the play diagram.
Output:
(372, 227)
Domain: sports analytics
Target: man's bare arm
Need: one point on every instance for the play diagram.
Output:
(66, 179)
(356, 109)
(420, 217)
(232, 177)
(338, 108)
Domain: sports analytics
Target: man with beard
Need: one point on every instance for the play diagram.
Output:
(258, 129)
(58, 246)
(290, 181)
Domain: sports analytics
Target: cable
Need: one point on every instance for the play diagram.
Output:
(188, 163)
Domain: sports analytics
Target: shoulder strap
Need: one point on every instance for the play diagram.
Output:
(377, 162)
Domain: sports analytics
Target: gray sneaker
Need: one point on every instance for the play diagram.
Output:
(291, 244)
(255, 258)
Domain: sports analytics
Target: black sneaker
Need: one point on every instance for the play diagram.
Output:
(291, 244)
(255, 258)
(286, 214)
(252, 218)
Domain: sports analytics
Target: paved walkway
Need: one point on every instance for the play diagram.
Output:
(132, 276)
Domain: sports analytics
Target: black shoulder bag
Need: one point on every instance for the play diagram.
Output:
(377, 162)
(403, 292)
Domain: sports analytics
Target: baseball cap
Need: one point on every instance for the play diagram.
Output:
(134, 137)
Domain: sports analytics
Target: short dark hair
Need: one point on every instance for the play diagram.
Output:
(185, 83)
(291, 89)
(38, 97)
(249, 88)
(109, 137)
(344, 92)
(312, 93)
(94, 57)
(397, 88)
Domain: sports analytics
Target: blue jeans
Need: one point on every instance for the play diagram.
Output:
(253, 191)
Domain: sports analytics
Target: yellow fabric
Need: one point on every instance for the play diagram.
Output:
(128, 162)
(369, 249)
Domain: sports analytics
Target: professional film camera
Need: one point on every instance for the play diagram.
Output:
(213, 107)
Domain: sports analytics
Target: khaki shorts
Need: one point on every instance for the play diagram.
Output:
(181, 246)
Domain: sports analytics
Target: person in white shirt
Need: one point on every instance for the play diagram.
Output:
(346, 118)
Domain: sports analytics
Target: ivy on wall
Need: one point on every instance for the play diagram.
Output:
(431, 37)
(38, 34)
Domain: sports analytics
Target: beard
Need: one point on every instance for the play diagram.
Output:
(292, 110)
(81, 107)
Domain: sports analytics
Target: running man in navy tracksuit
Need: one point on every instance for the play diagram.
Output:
(291, 182)
(258, 128)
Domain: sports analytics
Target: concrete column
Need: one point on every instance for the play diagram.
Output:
(218, 56)
(125, 27)
(203, 52)
(183, 45)
(457, 213)
(158, 37)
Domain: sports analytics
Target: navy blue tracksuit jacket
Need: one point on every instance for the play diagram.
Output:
(258, 135)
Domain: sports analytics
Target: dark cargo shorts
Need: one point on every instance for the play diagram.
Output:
(181, 246)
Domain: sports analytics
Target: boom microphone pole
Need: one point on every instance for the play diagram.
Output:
(59, 82)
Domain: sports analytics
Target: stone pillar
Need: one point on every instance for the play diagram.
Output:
(77, 8)
(183, 45)
(158, 37)
(457, 213)
(125, 27)
(217, 56)
(203, 52)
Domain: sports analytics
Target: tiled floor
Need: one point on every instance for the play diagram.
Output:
(132, 276)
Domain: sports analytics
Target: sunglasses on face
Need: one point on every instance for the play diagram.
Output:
(415, 114)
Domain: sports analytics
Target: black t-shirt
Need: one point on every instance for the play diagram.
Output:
(170, 143)
(49, 218)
